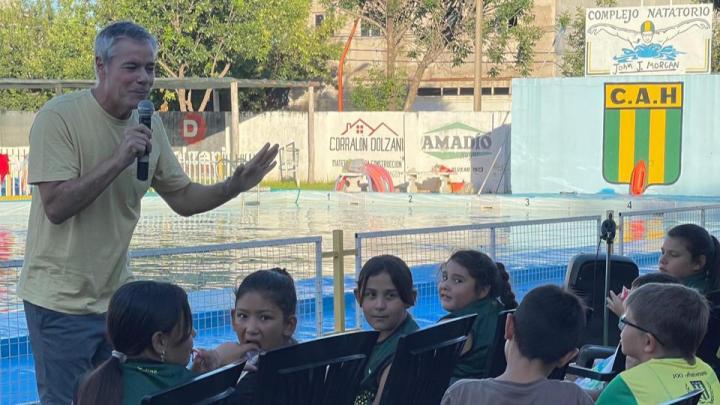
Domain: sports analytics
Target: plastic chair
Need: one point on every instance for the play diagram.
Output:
(424, 362)
(585, 276)
(496, 362)
(588, 354)
(209, 388)
(691, 398)
(324, 371)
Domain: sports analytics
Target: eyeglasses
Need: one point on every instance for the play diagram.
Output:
(623, 321)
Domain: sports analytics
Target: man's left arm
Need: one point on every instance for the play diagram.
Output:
(197, 198)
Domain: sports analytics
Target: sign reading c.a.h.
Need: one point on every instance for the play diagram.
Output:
(642, 132)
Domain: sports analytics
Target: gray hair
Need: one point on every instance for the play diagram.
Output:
(107, 38)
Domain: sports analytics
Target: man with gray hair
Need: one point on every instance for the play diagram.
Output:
(86, 204)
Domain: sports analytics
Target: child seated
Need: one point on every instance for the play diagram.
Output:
(542, 334)
(149, 325)
(616, 302)
(472, 283)
(691, 254)
(264, 319)
(662, 329)
(385, 293)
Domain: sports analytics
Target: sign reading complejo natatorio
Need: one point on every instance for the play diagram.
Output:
(648, 40)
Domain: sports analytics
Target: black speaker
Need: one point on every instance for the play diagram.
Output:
(585, 276)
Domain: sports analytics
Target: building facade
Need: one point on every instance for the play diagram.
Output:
(444, 86)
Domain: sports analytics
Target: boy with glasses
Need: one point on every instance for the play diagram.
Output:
(662, 328)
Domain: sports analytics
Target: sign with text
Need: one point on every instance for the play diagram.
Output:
(648, 40)
(642, 134)
(473, 149)
(375, 138)
(193, 127)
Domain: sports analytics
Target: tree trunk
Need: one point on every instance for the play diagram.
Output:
(205, 100)
(181, 99)
(206, 97)
(389, 46)
(390, 56)
(415, 85)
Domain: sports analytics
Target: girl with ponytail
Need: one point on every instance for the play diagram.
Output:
(472, 283)
(149, 325)
(691, 254)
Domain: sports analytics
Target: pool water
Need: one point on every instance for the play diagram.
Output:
(293, 214)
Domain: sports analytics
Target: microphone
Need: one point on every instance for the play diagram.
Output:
(145, 112)
(608, 228)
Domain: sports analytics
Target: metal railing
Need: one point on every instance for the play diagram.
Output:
(208, 273)
(201, 167)
(14, 184)
(533, 251)
(640, 233)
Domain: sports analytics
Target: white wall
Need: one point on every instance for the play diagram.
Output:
(557, 140)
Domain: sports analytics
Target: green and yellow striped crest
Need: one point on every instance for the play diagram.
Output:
(642, 128)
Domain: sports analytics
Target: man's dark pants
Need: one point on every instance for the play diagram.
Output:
(64, 347)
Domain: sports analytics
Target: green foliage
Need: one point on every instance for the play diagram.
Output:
(446, 27)
(715, 61)
(380, 91)
(290, 49)
(573, 28)
(44, 40)
(248, 39)
(509, 36)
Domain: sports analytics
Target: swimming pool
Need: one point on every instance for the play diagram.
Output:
(279, 214)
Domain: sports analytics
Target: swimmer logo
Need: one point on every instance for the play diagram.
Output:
(642, 134)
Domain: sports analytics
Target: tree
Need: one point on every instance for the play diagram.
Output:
(571, 28)
(245, 38)
(197, 37)
(290, 49)
(251, 39)
(44, 40)
(715, 62)
(381, 92)
(437, 27)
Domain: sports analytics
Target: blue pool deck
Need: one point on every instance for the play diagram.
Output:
(213, 323)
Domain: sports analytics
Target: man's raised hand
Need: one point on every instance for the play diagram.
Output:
(249, 174)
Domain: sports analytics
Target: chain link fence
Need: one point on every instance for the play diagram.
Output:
(534, 252)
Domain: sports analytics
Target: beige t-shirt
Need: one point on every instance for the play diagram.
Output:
(492, 391)
(75, 267)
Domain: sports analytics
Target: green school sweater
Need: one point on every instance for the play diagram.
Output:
(380, 357)
(698, 282)
(472, 363)
(142, 378)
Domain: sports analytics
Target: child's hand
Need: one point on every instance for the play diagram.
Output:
(205, 360)
(615, 304)
(232, 352)
(624, 293)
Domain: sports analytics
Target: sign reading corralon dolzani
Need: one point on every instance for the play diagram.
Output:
(648, 40)
(472, 147)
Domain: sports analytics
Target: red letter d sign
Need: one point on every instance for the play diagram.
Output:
(193, 128)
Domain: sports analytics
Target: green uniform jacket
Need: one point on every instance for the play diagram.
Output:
(698, 282)
(472, 363)
(381, 356)
(142, 378)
